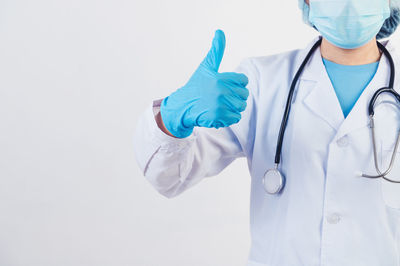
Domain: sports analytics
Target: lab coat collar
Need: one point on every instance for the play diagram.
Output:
(322, 99)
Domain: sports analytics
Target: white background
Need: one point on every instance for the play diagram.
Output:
(74, 77)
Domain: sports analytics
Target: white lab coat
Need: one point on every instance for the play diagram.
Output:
(326, 215)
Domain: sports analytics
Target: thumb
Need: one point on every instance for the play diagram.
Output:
(216, 53)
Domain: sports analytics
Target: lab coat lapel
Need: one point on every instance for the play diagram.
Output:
(322, 99)
(323, 102)
(358, 117)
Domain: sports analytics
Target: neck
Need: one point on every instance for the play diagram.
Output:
(367, 54)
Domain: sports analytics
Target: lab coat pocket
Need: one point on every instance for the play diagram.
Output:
(390, 190)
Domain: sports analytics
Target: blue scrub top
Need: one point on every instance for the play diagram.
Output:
(349, 81)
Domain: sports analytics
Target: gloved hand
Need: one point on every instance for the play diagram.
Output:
(209, 99)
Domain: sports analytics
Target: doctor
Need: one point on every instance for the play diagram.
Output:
(325, 214)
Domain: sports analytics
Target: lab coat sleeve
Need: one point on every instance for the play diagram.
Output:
(174, 165)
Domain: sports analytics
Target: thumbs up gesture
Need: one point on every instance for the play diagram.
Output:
(209, 99)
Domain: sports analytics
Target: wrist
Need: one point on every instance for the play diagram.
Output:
(171, 122)
(162, 126)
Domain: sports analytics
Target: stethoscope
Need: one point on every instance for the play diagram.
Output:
(274, 180)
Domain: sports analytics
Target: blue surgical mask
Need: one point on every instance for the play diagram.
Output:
(349, 24)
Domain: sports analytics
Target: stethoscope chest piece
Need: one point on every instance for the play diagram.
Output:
(273, 181)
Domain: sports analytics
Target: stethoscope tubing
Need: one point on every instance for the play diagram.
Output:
(289, 102)
(278, 153)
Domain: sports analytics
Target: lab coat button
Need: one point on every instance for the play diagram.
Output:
(334, 218)
(343, 142)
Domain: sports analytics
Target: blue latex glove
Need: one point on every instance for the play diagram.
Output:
(209, 99)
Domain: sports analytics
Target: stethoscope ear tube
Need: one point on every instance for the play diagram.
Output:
(374, 98)
(371, 112)
(389, 89)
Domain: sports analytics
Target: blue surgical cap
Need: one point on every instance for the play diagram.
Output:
(388, 28)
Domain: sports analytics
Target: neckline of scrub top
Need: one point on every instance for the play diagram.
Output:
(350, 67)
(349, 81)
